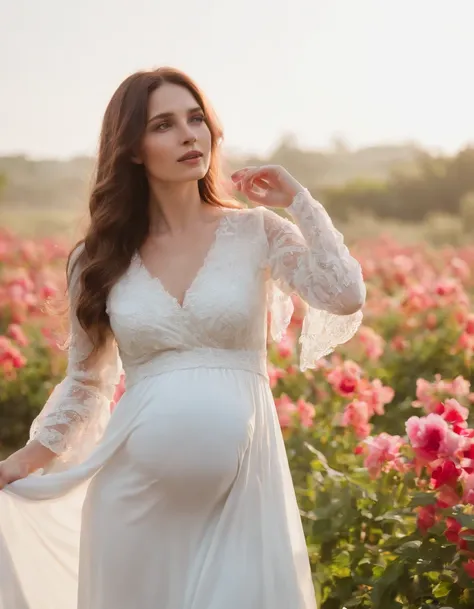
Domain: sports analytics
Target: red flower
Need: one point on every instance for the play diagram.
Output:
(445, 474)
(357, 414)
(452, 530)
(469, 568)
(426, 517)
(463, 543)
(455, 413)
(345, 379)
(470, 324)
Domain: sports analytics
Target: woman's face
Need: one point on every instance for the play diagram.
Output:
(175, 127)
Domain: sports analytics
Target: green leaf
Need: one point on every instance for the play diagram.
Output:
(390, 576)
(442, 589)
(390, 517)
(448, 576)
(466, 520)
(411, 549)
(422, 499)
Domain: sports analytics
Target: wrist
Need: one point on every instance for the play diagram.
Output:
(33, 456)
(295, 197)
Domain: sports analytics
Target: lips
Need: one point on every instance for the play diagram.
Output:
(192, 154)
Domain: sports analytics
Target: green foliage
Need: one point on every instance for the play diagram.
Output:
(364, 544)
(431, 186)
(23, 397)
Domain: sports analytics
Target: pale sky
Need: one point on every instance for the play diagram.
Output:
(369, 71)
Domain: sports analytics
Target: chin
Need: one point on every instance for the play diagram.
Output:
(193, 173)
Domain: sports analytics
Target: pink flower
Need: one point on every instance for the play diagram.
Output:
(431, 437)
(47, 291)
(425, 394)
(460, 268)
(447, 287)
(469, 329)
(453, 412)
(373, 343)
(460, 387)
(383, 453)
(286, 346)
(345, 379)
(15, 332)
(399, 343)
(446, 474)
(306, 413)
(376, 395)
(10, 358)
(430, 395)
(274, 374)
(447, 497)
(285, 410)
(417, 299)
(356, 415)
(466, 342)
(468, 487)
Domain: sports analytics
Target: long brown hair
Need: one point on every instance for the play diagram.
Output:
(118, 204)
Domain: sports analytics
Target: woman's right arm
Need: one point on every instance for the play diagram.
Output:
(79, 406)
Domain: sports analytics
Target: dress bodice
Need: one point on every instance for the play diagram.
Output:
(223, 309)
(257, 260)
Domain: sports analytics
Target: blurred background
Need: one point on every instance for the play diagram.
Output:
(368, 103)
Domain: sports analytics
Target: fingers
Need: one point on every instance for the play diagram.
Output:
(246, 172)
(237, 175)
(247, 179)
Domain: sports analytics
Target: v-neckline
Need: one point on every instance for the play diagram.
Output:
(181, 306)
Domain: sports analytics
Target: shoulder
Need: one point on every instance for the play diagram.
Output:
(244, 219)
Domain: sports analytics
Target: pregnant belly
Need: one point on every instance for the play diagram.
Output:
(192, 434)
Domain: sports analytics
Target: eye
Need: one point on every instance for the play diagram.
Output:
(162, 126)
(199, 118)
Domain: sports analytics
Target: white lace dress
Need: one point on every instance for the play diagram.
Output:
(184, 498)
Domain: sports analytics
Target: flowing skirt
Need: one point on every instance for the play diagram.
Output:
(186, 503)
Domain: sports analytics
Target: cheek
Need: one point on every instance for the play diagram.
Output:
(206, 139)
(158, 152)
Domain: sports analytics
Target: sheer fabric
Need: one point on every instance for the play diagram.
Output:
(78, 410)
(184, 497)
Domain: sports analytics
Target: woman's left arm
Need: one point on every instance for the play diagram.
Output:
(308, 256)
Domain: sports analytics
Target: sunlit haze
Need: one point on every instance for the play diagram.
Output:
(365, 71)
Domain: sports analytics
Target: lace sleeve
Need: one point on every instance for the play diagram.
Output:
(310, 258)
(77, 411)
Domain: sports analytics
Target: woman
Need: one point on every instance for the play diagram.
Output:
(184, 499)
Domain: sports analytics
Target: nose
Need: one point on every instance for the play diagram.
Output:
(188, 135)
(190, 139)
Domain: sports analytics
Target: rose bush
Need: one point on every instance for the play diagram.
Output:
(380, 436)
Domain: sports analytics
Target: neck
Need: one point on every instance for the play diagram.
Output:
(173, 208)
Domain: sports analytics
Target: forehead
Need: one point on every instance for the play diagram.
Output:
(170, 98)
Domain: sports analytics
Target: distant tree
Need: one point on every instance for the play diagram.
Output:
(413, 192)
(466, 206)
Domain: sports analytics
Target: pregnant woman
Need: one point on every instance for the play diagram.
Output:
(183, 498)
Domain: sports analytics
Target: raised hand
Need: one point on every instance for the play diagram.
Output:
(269, 185)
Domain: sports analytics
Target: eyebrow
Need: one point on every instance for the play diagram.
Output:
(170, 114)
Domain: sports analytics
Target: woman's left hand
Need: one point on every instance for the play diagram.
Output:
(269, 185)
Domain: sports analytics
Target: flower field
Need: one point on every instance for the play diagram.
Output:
(380, 437)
